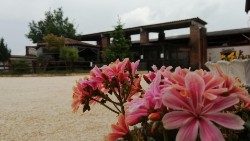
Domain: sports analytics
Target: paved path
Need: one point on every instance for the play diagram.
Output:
(38, 108)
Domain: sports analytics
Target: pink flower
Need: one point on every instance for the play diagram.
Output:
(135, 89)
(82, 90)
(119, 130)
(96, 74)
(193, 112)
(133, 66)
(213, 84)
(234, 87)
(135, 110)
(153, 96)
(116, 69)
(151, 75)
(142, 107)
(78, 96)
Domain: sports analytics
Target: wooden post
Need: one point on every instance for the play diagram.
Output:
(198, 46)
(161, 36)
(105, 41)
(144, 37)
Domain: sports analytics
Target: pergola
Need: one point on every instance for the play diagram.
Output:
(197, 38)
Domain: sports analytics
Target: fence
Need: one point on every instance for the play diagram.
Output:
(35, 67)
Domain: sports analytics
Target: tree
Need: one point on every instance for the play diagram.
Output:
(54, 23)
(69, 55)
(53, 42)
(119, 47)
(53, 45)
(5, 53)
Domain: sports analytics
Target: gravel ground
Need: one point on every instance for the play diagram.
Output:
(38, 108)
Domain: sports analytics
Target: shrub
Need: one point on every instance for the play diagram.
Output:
(69, 55)
(20, 67)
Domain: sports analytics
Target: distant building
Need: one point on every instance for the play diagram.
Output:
(87, 52)
(190, 50)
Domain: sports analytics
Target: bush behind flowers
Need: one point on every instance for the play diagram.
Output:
(178, 104)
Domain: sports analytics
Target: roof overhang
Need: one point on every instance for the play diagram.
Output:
(150, 28)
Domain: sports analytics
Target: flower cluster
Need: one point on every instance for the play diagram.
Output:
(230, 55)
(118, 78)
(192, 102)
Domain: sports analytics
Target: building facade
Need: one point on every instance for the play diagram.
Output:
(189, 50)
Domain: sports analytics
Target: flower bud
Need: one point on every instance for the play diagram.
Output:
(154, 116)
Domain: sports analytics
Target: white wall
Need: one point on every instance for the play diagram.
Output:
(214, 53)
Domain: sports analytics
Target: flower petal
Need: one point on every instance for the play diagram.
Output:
(214, 82)
(227, 120)
(209, 132)
(176, 119)
(114, 136)
(135, 110)
(134, 66)
(117, 129)
(210, 96)
(135, 118)
(188, 132)
(222, 103)
(196, 86)
(171, 99)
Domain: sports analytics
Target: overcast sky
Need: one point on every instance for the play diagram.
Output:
(91, 16)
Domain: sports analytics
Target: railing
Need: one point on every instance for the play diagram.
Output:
(35, 67)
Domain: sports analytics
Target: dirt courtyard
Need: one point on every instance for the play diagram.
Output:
(38, 108)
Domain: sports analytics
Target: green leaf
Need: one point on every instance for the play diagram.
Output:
(54, 23)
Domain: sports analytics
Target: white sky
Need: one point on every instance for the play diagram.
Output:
(91, 16)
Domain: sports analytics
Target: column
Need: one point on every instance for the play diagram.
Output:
(105, 41)
(144, 36)
(161, 36)
(198, 46)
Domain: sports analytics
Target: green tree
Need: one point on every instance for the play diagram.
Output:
(53, 42)
(5, 53)
(119, 47)
(69, 55)
(53, 45)
(54, 23)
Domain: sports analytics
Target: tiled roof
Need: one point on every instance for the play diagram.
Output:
(71, 42)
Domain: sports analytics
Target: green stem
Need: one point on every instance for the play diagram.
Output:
(105, 106)
(118, 96)
(111, 101)
(117, 108)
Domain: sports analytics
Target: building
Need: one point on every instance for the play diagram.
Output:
(190, 50)
(50, 60)
(86, 52)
